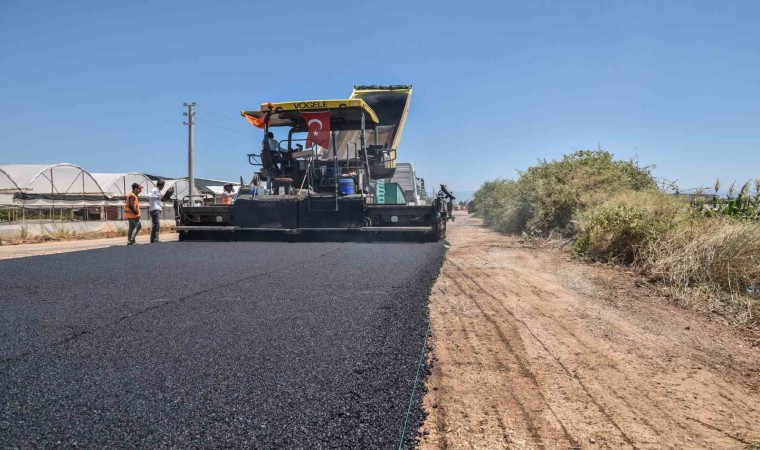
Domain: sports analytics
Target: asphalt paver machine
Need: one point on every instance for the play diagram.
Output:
(326, 178)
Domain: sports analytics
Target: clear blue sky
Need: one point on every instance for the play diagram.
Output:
(497, 84)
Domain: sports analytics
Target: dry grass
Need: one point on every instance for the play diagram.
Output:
(64, 235)
(619, 229)
(707, 255)
(711, 263)
(706, 263)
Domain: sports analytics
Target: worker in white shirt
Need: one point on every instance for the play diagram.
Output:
(156, 207)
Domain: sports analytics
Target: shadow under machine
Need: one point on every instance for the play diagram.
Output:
(327, 178)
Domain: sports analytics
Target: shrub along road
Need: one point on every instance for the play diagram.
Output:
(261, 345)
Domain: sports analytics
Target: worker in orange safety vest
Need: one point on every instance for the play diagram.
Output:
(132, 213)
(228, 195)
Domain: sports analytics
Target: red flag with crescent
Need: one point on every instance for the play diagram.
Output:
(319, 128)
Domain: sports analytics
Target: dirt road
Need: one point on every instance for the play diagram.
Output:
(532, 349)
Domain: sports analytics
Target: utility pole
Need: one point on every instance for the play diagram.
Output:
(190, 173)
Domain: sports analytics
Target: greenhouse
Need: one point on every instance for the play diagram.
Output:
(66, 198)
(116, 186)
(63, 198)
(182, 191)
(48, 185)
(49, 192)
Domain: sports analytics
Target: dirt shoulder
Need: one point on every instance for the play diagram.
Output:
(532, 349)
(47, 248)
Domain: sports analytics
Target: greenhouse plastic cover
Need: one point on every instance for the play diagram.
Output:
(51, 182)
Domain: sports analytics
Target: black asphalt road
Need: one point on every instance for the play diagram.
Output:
(197, 344)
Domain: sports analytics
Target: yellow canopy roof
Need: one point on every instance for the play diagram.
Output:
(344, 114)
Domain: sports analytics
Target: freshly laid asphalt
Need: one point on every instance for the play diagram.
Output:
(198, 344)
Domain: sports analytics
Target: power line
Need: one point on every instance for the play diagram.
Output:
(224, 118)
(213, 121)
(218, 132)
(225, 122)
(215, 126)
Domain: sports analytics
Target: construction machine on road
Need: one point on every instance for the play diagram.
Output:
(327, 178)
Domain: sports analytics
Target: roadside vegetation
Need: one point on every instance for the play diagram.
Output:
(61, 234)
(703, 248)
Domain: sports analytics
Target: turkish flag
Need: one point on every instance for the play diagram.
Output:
(319, 128)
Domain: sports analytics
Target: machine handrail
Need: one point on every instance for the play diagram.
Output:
(252, 159)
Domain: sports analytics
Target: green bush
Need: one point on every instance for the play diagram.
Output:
(503, 205)
(545, 197)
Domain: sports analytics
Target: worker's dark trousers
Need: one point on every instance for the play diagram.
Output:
(134, 228)
(155, 218)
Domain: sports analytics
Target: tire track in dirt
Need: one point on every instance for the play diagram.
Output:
(665, 413)
(459, 359)
(611, 369)
(571, 375)
(473, 336)
(530, 422)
